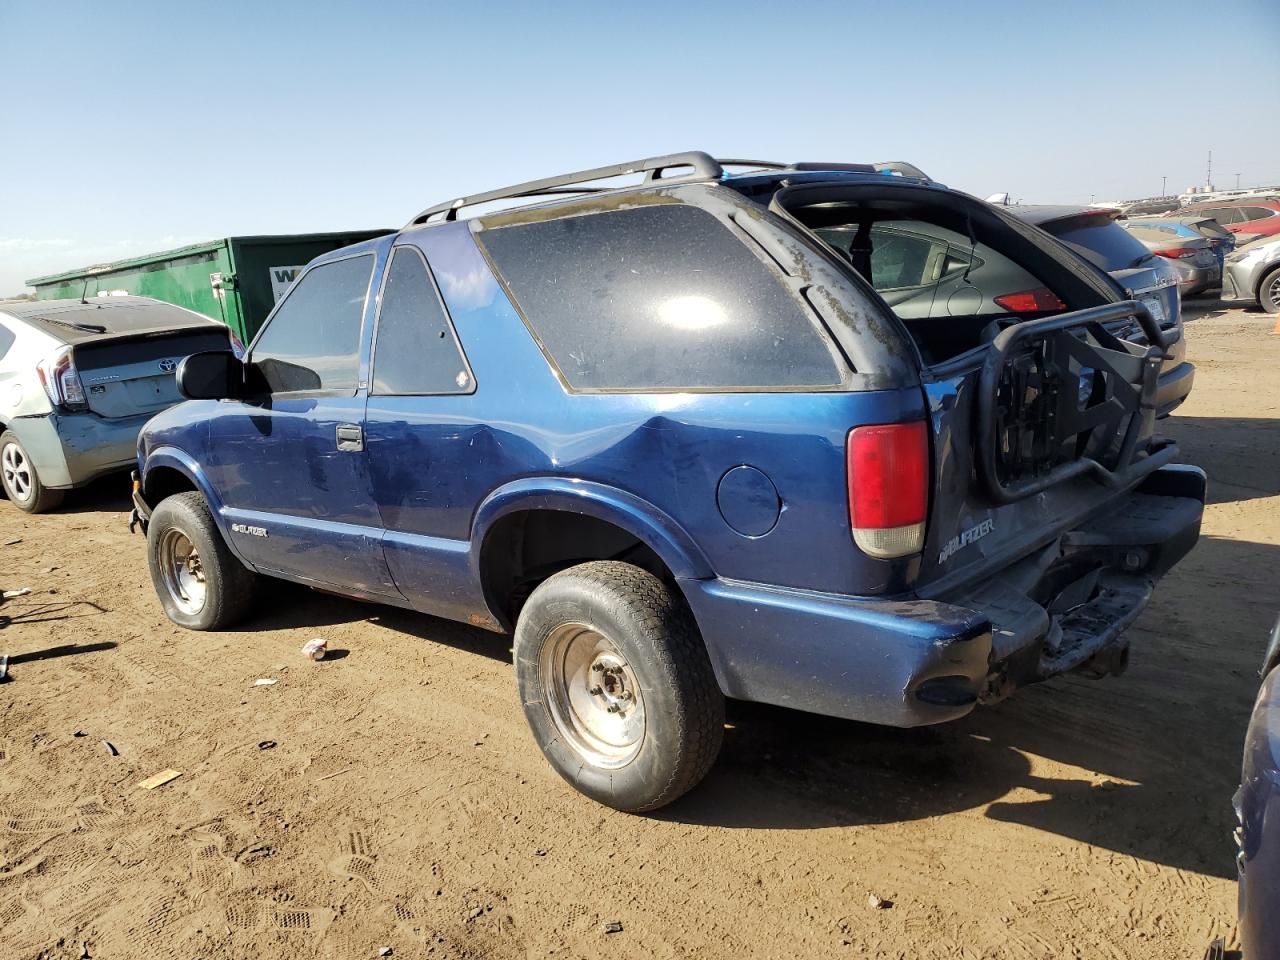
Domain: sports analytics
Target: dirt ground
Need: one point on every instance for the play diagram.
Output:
(404, 805)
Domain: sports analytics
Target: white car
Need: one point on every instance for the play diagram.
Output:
(78, 379)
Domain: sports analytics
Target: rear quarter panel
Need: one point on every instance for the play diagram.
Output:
(669, 450)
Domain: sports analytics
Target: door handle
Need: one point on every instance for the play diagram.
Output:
(350, 438)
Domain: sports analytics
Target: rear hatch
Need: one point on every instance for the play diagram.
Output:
(133, 374)
(1043, 420)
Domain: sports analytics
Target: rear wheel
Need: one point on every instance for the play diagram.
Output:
(200, 583)
(1269, 292)
(617, 686)
(21, 483)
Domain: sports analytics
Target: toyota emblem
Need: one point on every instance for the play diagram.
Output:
(167, 366)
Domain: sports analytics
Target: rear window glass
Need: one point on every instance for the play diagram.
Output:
(1103, 243)
(658, 298)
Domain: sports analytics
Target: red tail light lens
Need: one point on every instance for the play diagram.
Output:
(1177, 253)
(1031, 301)
(61, 380)
(888, 476)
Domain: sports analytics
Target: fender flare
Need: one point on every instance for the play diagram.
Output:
(650, 525)
(177, 459)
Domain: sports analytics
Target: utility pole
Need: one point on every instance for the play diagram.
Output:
(1208, 171)
(1163, 181)
(1237, 181)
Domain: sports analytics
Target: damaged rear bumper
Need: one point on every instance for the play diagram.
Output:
(912, 662)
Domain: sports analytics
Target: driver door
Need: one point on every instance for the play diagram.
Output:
(289, 461)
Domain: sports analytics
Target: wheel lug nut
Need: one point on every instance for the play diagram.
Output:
(598, 667)
(595, 691)
(614, 708)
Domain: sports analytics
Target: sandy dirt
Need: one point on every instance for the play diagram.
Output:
(404, 805)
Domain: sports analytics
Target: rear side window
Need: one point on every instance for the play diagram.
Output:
(1103, 243)
(7, 337)
(1222, 214)
(1256, 213)
(417, 351)
(313, 341)
(662, 297)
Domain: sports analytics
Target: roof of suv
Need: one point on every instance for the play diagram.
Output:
(1042, 213)
(657, 171)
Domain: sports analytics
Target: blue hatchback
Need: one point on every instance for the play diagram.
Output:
(676, 438)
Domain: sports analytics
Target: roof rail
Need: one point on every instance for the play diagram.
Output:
(705, 167)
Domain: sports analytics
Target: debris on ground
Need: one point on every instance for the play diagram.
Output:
(160, 779)
(265, 681)
(266, 745)
(476, 913)
(384, 952)
(110, 748)
(15, 594)
(14, 542)
(315, 649)
(613, 926)
(878, 902)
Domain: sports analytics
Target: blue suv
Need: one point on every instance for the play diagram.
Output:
(830, 436)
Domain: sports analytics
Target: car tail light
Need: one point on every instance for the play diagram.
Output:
(1030, 301)
(61, 380)
(888, 475)
(1177, 253)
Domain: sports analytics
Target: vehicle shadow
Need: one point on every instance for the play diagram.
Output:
(1151, 758)
(109, 494)
(1240, 455)
(286, 606)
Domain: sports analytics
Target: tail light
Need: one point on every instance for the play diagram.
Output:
(1177, 253)
(1031, 301)
(888, 475)
(61, 380)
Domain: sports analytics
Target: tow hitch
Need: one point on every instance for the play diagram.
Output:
(140, 515)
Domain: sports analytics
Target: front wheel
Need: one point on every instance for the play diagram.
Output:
(1269, 292)
(22, 485)
(617, 686)
(200, 583)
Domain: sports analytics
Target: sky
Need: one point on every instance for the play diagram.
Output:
(133, 126)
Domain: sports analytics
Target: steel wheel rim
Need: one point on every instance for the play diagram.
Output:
(593, 695)
(181, 570)
(1272, 293)
(17, 472)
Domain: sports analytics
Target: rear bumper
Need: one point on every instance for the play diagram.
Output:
(69, 450)
(918, 662)
(1174, 387)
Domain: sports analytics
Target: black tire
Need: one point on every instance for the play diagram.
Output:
(661, 653)
(1269, 292)
(23, 485)
(227, 585)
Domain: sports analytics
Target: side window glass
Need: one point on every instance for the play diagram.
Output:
(417, 350)
(7, 337)
(313, 341)
(899, 259)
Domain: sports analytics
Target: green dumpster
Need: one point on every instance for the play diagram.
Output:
(236, 279)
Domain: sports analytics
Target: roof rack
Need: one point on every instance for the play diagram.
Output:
(705, 167)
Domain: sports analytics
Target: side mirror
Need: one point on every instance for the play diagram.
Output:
(214, 375)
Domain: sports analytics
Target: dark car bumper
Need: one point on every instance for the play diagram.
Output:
(913, 662)
(1174, 387)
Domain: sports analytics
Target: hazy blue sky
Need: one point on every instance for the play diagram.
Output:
(127, 127)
